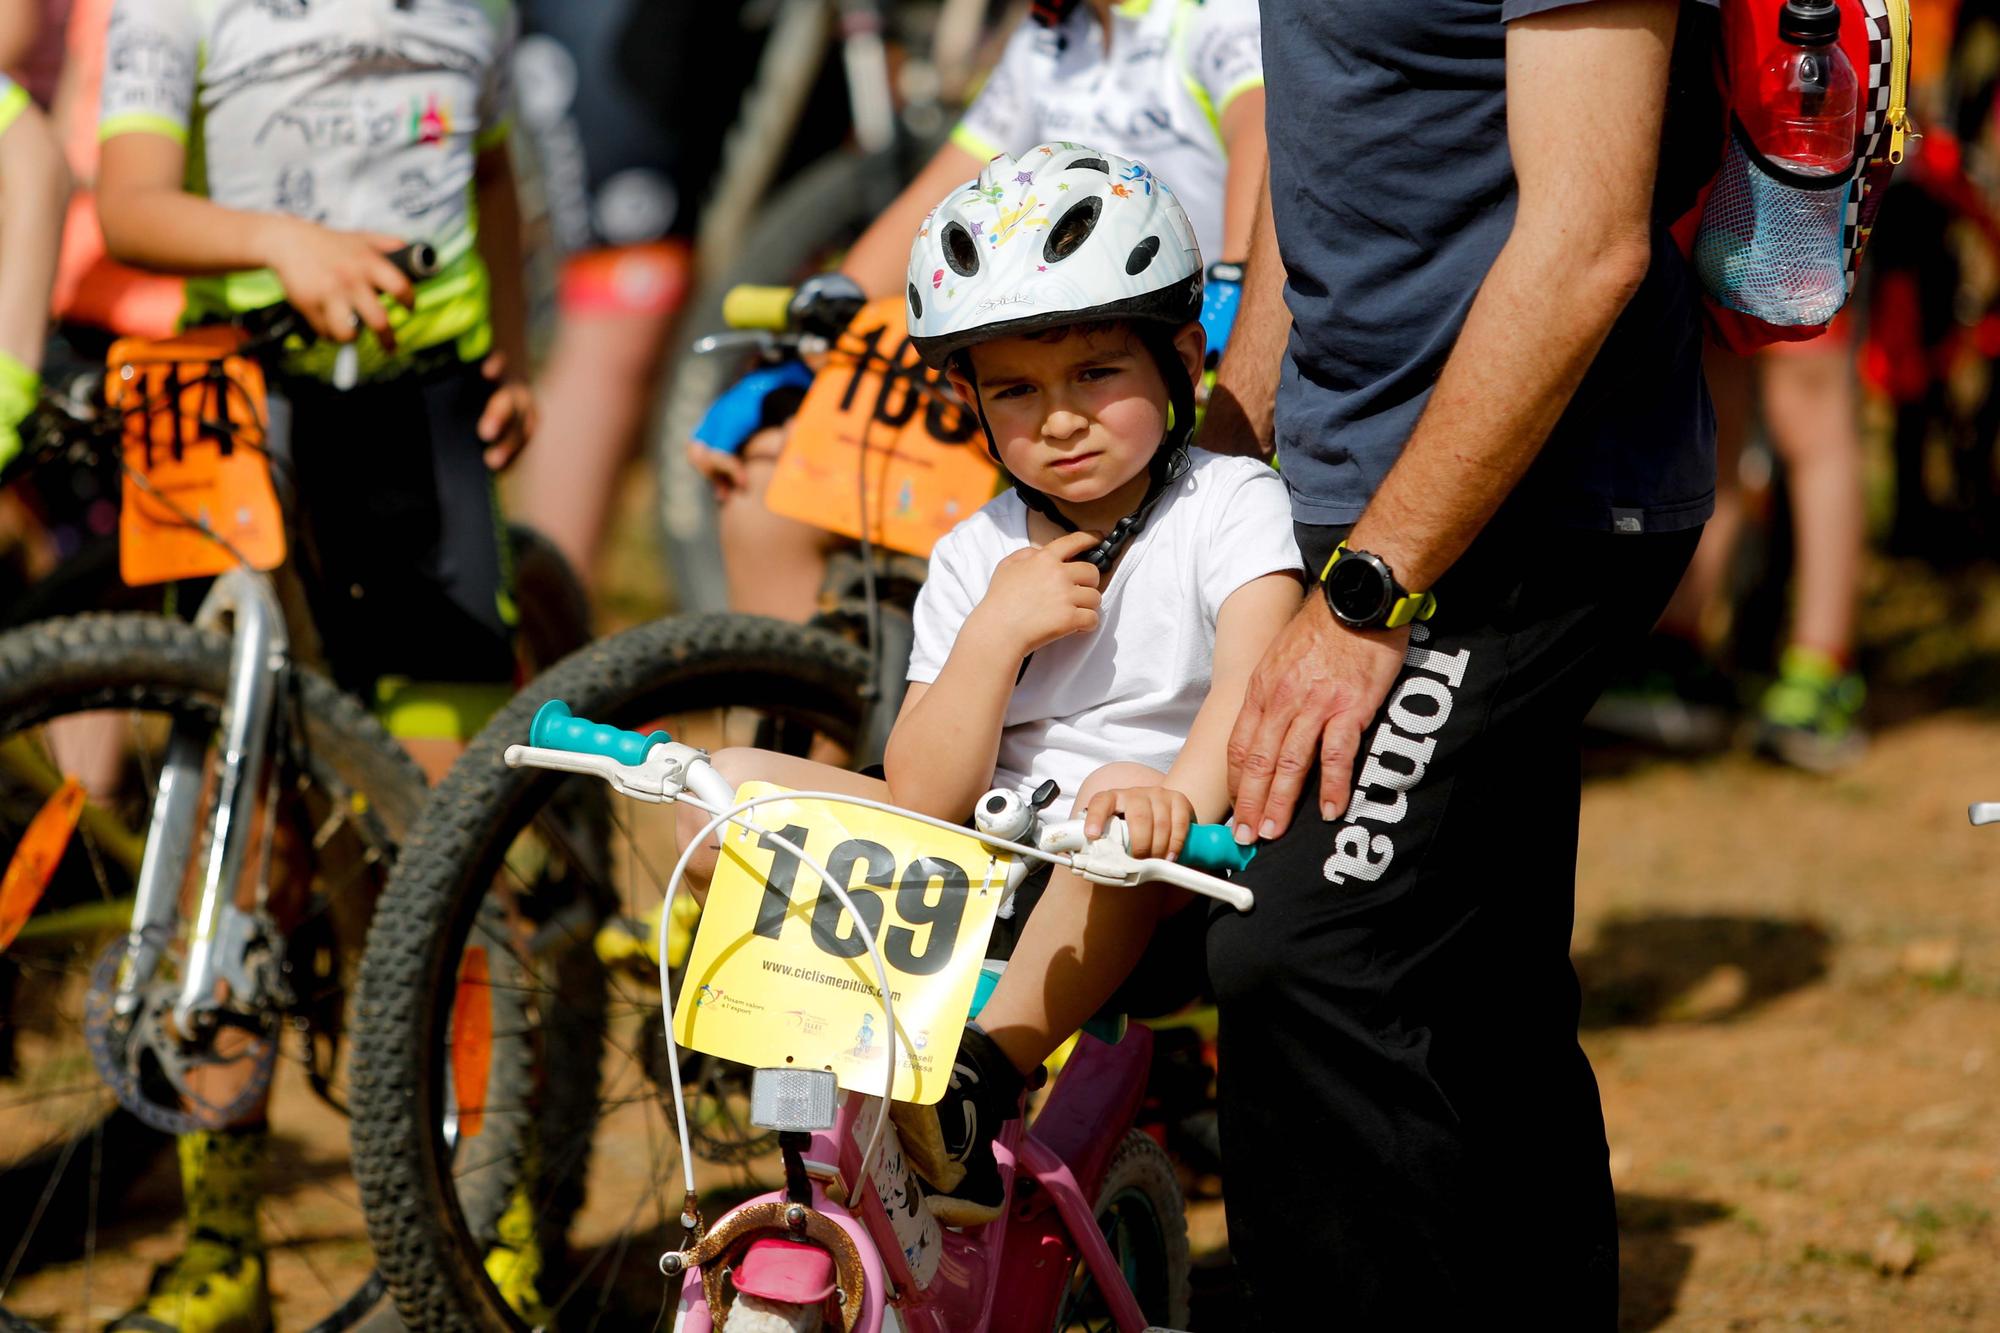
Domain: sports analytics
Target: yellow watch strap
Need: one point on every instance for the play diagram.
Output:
(1409, 607)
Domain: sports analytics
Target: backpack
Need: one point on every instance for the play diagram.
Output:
(1776, 253)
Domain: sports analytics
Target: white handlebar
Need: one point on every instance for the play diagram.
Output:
(671, 767)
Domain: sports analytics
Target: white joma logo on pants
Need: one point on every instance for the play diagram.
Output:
(1398, 754)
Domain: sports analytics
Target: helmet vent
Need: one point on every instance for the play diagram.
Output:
(1142, 255)
(1072, 229)
(1090, 164)
(961, 252)
(916, 302)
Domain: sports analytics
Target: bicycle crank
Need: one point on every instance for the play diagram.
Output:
(168, 1077)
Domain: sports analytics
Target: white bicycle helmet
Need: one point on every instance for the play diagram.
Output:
(1064, 234)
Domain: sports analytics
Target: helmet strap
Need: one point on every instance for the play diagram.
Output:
(1169, 462)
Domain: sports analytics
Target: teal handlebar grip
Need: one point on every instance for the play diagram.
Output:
(555, 728)
(1212, 847)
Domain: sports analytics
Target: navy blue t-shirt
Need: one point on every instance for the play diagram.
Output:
(1393, 191)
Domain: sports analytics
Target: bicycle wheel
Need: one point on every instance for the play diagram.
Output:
(554, 858)
(806, 223)
(1144, 1219)
(92, 698)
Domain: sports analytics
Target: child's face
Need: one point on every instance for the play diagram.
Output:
(1077, 417)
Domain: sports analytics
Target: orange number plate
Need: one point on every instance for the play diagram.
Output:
(874, 437)
(197, 487)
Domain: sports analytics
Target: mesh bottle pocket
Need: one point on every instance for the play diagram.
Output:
(1769, 248)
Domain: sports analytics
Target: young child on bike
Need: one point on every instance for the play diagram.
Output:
(325, 138)
(1096, 624)
(1178, 84)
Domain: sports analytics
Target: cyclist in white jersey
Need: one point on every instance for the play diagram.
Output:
(279, 150)
(1176, 84)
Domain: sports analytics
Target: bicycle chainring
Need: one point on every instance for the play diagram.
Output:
(151, 1067)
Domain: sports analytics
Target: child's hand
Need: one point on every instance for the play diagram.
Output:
(509, 421)
(1043, 593)
(1156, 818)
(725, 472)
(336, 279)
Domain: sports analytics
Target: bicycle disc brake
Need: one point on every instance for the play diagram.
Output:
(151, 1066)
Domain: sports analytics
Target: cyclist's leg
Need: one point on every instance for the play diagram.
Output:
(1809, 713)
(1809, 409)
(741, 764)
(616, 179)
(1399, 1013)
(596, 396)
(775, 565)
(408, 569)
(1076, 948)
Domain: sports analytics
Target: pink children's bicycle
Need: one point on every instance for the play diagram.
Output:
(1094, 1234)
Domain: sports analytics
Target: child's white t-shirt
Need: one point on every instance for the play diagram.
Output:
(1129, 690)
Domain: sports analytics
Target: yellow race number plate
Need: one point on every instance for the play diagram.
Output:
(780, 974)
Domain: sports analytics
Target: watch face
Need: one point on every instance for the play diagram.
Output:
(1358, 590)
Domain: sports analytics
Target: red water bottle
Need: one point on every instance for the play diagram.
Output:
(1805, 117)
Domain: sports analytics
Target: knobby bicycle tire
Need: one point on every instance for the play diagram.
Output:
(1143, 1214)
(444, 877)
(153, 664)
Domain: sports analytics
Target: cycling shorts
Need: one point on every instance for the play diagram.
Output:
(403, 546)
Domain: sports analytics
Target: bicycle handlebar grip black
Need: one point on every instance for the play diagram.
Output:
(826, 304)
(417, 260)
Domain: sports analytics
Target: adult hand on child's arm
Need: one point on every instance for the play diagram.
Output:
(1156, 819)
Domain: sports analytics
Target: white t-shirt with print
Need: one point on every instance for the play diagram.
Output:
(363, 115)
(1173, 70)
(1128, 690)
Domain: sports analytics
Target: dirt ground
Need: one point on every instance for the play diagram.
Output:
(1792, 1002)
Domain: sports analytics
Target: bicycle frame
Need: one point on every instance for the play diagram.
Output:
(1028, 1252)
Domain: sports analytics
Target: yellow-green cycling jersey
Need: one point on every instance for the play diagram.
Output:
(361, 115)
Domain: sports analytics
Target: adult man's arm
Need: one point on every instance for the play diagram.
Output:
(1586, 92)
(1238, 420)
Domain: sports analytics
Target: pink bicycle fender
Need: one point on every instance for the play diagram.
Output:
(784, 1270)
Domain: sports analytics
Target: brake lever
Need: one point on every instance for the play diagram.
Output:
(770, 346)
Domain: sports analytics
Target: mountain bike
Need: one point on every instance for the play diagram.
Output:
(1094, 1233)
(196, 826)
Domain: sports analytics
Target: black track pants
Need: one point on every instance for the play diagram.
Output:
(1412, 1132)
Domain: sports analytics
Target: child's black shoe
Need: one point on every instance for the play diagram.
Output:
(951, 1144)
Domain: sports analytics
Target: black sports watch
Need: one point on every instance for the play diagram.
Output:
(1362, 592)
